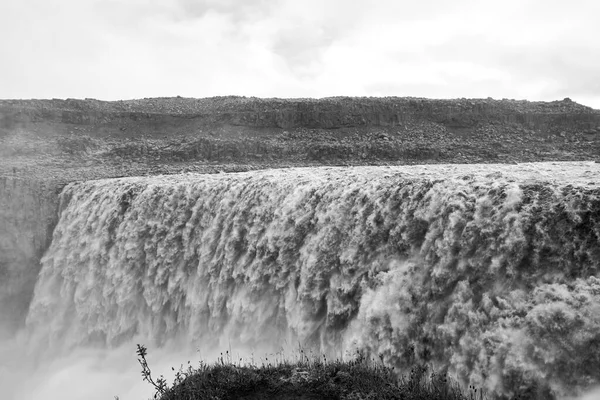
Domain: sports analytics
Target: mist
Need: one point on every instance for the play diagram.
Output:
(329, 259)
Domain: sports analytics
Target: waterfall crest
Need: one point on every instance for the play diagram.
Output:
(492, 275)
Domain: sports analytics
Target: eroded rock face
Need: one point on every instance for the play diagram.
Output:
(328, 113)
(28, 213)
(301, 131)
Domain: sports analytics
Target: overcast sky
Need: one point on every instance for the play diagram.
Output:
(123, 49)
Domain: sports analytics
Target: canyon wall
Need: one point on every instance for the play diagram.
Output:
(28, 213)
(274, 131)
(328, 113)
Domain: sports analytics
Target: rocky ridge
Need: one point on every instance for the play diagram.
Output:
(82, 139)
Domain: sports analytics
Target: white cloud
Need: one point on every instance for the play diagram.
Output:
(540, 50)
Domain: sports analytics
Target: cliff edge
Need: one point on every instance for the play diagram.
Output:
(82, 139)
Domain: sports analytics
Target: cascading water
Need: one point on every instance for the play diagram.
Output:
(488, 272)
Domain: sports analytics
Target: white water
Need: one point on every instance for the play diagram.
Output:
(489, 271)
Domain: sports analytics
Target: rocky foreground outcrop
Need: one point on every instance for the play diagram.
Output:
(45, 144)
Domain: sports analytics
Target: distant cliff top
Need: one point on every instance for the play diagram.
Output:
(87, 139)
(192, 106)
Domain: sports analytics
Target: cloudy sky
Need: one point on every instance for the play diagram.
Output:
(122, 49)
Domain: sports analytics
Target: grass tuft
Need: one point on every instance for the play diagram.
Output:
(306, 377)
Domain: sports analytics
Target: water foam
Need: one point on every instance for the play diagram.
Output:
(489, 272)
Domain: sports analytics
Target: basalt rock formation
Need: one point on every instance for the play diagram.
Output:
(28, 213)
(154, 135)
(328, 113)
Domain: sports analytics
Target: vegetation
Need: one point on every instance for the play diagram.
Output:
(307, 377)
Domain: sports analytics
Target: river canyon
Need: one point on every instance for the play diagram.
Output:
(488, 271)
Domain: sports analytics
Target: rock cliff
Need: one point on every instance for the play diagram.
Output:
(28, 213)
(328, 113)
(269, 132)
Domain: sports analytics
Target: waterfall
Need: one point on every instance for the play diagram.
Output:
(490, 273)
